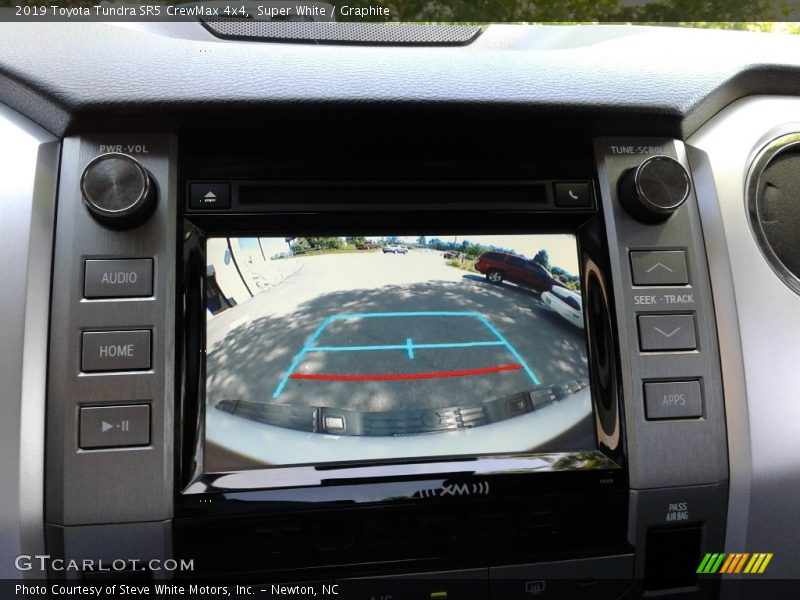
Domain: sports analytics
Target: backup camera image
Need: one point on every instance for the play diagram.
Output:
(342, 349)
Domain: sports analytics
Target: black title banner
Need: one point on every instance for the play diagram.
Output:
(733, 13)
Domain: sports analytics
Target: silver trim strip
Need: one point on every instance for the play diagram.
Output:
(730, 350)
(759, 326)
(28, 178)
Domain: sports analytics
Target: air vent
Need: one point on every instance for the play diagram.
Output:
(773, 197)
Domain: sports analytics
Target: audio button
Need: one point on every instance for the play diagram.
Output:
(127, 278)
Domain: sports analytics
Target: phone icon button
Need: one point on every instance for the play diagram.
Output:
(573, 195)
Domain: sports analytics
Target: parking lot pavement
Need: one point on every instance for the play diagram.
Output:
(428, 335)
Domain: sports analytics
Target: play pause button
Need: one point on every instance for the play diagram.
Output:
(123, 425)
(115, 426)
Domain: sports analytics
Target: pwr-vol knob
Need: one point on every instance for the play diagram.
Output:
(655, 189)
(118, 190)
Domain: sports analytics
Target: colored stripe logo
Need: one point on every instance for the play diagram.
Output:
(735, 562)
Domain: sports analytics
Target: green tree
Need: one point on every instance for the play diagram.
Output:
(542, 258)
(300, 244)
(474, 251)
(318, 243)
(332, 243)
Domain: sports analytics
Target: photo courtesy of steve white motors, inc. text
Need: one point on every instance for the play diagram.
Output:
(173, 590)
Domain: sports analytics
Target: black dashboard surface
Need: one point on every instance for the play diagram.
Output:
(70, 77)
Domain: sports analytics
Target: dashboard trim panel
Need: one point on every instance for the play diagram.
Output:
(759, 319)
(28, 179)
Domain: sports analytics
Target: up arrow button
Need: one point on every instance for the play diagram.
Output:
(659, 267)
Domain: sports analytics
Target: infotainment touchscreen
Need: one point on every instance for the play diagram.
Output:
(379, 348)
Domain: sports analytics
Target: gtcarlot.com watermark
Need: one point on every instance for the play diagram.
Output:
(44, 562)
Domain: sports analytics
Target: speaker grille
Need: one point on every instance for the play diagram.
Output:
(380, 34)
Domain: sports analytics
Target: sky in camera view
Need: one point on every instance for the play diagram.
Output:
(560, 248)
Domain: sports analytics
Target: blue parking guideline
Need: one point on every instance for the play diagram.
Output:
(403, 314)
(408, 347)
(299, 357)
(511, 349)
(405, 346)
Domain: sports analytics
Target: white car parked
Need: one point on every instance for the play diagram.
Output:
(566, 303)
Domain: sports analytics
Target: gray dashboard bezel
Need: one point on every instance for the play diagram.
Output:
(682, 440)
(83, 487)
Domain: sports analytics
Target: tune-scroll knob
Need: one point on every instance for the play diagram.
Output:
(655, 189)
(118, 190)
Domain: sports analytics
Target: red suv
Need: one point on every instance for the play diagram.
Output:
(499, 266)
